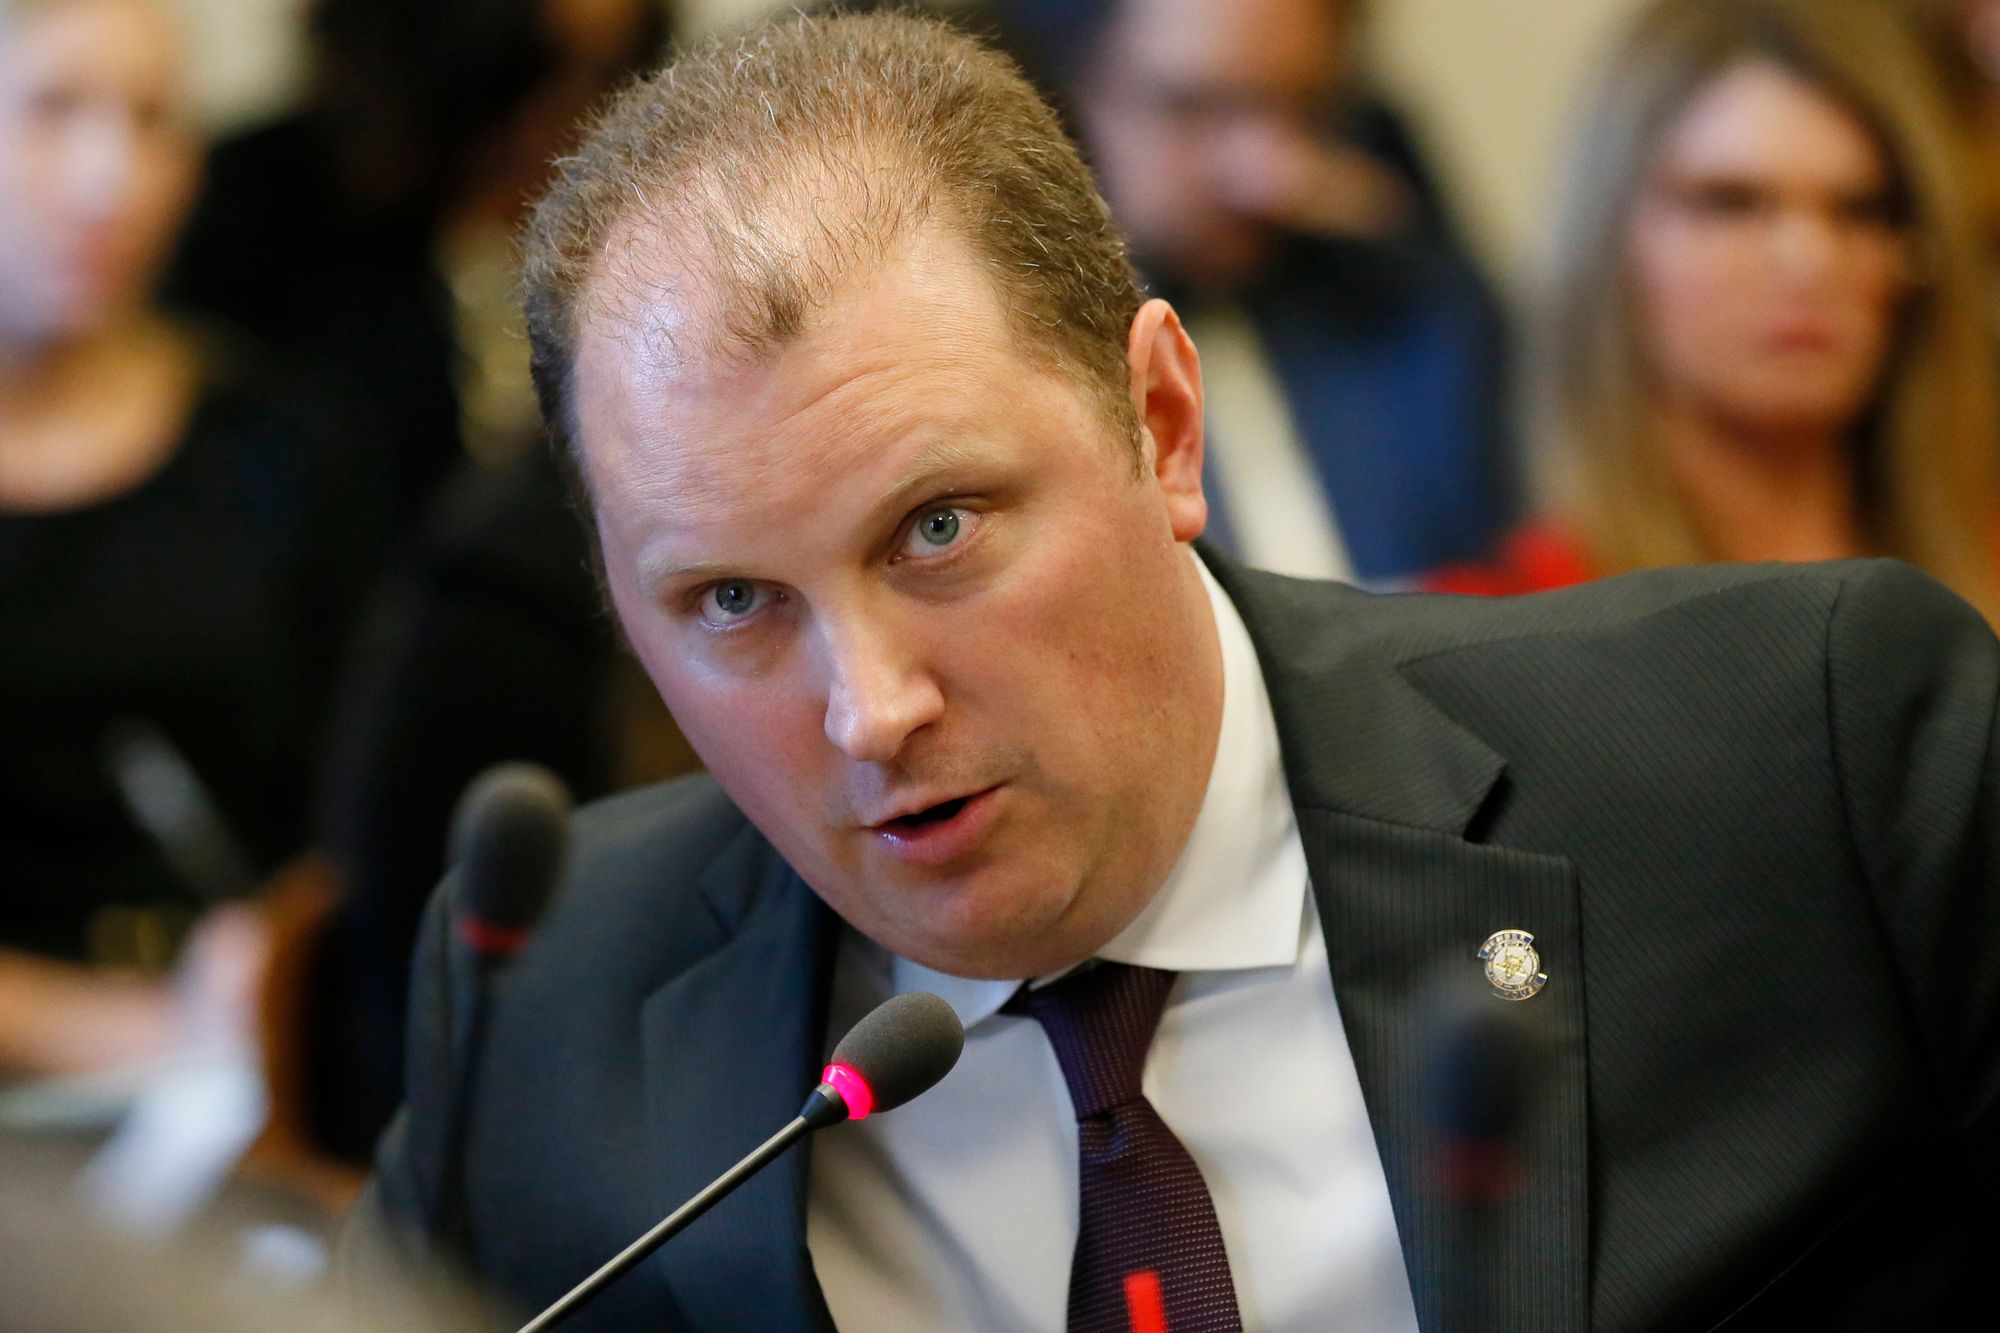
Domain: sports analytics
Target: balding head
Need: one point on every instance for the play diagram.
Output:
(717, 208)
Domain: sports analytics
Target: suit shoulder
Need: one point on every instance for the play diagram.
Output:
(1849, 611)
(1625, 604)
(652, 869)
(1317, 617)
(689, 807)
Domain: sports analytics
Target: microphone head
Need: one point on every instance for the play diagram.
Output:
(508, 837)
(899, 1051)
(1480, 1065)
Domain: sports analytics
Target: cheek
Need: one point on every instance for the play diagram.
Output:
(1159, 175)
(25, 191)
(1872, 314)
(763, 738)
(1687, 306)
(165, 192)
(1066, 646)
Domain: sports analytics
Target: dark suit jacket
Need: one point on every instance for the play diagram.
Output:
(1751, 815)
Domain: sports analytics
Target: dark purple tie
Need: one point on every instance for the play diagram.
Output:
(1145, 1206)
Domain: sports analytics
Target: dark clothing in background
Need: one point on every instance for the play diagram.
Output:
(345, 294)
(490, 644)
(209, 601)
(1390, 352)
(1391, 358)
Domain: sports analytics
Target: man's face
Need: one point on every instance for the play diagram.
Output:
(1196, 108)
(916, 608)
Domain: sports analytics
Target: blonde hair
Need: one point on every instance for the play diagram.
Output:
(1928, 440)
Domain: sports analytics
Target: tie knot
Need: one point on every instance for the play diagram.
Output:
(1101, 1023)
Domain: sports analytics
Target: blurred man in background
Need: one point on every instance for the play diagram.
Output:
(1352, 353)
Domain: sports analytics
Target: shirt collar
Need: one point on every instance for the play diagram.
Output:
(1233, 900)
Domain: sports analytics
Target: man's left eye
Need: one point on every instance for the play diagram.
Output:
(936, 531)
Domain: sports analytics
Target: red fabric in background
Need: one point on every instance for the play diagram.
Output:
(1534, 557)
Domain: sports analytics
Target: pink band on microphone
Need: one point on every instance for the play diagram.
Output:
(853, 1090)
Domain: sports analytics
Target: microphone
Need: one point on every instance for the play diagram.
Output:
(507, 840)
(1480, 1066)
(899, 1051)
(508, 836)
(167, 798)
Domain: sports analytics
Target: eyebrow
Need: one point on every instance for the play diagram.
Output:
(934, 460)
(937, 458)
(657, 573)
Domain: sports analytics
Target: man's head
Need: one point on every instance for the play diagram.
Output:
(892, 472)
(1198, 114)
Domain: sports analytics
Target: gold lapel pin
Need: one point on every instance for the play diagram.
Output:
(1512, 965)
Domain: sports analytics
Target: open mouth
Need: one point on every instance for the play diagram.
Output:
(940, 835)
(936, 814)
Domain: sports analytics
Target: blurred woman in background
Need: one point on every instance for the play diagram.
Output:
(1763, 333)
(366, 239)
(173, 580)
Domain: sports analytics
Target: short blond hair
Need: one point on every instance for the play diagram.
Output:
(788, 159)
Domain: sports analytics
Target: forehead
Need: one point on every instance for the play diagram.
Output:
(918, 342)
(125, 39)
(1759, 118)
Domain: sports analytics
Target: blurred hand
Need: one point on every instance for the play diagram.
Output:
(60, 1018)
(218, 978)
(1286, 177)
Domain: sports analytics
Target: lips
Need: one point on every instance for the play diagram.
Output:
(938, 833)
(935, 814)
(1801, 335)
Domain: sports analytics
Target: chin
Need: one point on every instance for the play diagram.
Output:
(974, 942)
(1792, 413)
(1012, 961)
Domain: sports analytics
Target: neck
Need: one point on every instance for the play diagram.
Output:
(1765, 495)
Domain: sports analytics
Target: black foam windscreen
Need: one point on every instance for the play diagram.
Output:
(508, 838)
(903, 1047)
(1480, 1065)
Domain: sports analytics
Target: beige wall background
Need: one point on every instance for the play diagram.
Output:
(1490, 82)
(1493, 85)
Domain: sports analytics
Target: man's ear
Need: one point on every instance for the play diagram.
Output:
(1166, 394)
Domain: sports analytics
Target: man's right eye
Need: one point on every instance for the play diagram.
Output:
(731, 601)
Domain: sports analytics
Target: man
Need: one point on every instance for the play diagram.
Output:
(1352, 351)
(894, 474)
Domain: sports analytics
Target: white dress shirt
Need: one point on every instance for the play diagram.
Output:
(959, 1211)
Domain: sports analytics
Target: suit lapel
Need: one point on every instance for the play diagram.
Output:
(732, 1046)
(1400, 908)
(1386, 788)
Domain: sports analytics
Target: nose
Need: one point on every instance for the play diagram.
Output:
(102, 163)
(1806, 243)
(879, 692)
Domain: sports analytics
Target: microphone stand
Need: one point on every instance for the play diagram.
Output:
(823, 1107)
